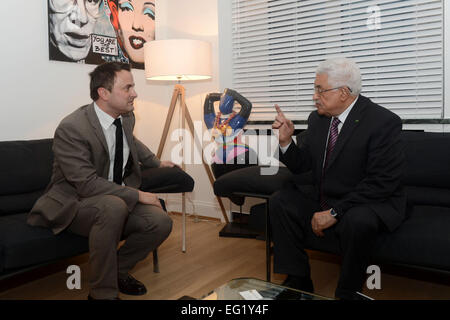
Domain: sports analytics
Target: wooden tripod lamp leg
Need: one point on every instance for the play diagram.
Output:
(178, 94)
(173, 104)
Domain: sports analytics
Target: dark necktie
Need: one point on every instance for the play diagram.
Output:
(118, 158)
(332, 140)
(330, 147)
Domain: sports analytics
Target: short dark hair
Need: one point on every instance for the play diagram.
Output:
(104, 76)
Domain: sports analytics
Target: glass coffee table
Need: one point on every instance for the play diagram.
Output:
(242, 289)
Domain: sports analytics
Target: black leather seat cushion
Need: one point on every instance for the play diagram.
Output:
(427, 158)
(166, 180)
(421, 240)
(250, 180)
(22, 245)
(25, 171)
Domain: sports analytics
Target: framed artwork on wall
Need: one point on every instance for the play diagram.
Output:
(95, 31)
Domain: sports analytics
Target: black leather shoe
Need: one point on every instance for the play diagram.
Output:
(90, 298)
(299, 283)
(131, 286)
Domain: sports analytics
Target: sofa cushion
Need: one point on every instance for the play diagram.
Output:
(428, 196)
(427, 159)
(25, 170)
(17, 203)
(421, 240)
(22, 245)
(26, 165)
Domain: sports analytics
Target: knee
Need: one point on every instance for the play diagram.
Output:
(275, 198)
(161, 229)
(164, 225)
(275, 202)
(360, 221)
(112, 210)
(160, 225)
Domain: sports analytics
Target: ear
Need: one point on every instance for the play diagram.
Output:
(345, 93)
(103, 93)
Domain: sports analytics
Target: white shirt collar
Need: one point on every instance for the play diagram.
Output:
(345, 114)
(105, 119)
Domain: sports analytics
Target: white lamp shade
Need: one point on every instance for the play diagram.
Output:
(177, 59)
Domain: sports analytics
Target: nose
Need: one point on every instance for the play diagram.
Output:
(137, 22)
(133, 93)
(78, 16)
(316, 95)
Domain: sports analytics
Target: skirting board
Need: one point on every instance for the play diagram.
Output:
(204, 208)
(201, 208)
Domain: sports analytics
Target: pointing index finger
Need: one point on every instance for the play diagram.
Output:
(280, 113)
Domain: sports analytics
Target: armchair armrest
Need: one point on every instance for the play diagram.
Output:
(166, 180)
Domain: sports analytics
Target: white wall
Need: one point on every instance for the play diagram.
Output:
(195, 19)
(38, 93)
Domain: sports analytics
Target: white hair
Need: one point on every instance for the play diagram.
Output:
(342, 72)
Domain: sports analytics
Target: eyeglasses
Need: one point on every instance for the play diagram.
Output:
(64, 6)
(321, 91)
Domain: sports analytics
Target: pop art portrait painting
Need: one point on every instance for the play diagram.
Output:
(95, 31)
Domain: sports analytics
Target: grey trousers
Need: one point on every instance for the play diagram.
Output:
(105, 219)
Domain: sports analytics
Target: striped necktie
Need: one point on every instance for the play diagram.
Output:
(332, 138)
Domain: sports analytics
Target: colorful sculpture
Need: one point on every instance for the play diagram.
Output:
(227, 128)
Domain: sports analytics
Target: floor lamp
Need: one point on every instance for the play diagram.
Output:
(180, 60)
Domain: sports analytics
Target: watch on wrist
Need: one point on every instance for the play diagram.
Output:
(334, 213)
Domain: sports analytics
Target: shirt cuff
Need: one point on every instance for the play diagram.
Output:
(283, 149)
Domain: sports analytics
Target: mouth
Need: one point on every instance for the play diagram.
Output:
(77, 40)
(136, 42)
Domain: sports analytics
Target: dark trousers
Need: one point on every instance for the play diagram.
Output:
(353, 236)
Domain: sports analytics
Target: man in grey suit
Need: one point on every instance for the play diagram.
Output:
(94, 191)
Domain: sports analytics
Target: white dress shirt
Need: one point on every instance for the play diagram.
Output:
(342, 117)
(109, 130)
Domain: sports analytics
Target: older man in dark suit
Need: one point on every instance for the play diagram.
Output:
(94, 187)
(353, 149)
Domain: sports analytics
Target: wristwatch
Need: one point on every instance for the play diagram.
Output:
(334, 213)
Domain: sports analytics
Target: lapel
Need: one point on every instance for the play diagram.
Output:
(353, 120)
(93, 119)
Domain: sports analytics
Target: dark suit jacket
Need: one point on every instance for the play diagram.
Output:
(80, 169)
(366, 166)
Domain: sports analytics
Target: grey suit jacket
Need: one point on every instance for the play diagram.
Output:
(80, 169)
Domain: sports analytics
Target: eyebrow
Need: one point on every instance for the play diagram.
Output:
(148, 2)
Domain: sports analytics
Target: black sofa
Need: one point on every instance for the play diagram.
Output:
(25, 171)
(422, 241)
